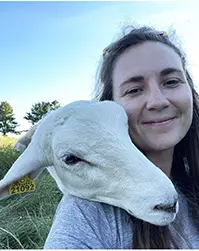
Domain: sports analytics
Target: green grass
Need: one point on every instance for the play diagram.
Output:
(25, 219)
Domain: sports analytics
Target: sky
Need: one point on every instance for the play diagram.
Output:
(51, 50)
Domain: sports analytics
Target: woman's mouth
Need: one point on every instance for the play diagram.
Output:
(159, 122)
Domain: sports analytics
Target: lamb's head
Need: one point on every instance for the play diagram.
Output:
(87, 149)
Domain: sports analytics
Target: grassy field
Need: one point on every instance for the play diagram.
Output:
(25, 220)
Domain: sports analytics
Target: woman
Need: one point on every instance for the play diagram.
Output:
(146, 74)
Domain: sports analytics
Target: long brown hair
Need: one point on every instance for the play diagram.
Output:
(185, 167)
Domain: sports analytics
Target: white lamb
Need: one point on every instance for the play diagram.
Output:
(87, 149)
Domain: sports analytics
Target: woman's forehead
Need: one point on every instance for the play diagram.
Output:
(145, 59)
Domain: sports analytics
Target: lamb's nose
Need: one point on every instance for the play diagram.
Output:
(166, 207)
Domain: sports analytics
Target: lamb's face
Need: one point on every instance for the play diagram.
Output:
(95, 159)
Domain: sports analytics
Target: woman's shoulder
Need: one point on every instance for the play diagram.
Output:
(94, 224)
(102, 213)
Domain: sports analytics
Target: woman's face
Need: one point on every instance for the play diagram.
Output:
(149, 82)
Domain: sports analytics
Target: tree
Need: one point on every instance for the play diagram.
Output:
(7, 119)
(39, 109)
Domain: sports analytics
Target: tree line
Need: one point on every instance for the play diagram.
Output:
(8, 123)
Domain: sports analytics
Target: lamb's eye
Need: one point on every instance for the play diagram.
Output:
(71, 159)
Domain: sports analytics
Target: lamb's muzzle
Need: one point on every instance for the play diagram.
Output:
(108, 167)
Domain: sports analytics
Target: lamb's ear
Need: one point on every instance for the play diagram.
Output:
(23, 142)
(31, 163)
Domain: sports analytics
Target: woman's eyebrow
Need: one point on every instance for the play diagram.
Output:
(170, 70)
(134, 79)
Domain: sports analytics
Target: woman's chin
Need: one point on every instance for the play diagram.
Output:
(158, 147)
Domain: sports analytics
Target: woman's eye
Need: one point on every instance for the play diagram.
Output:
(172, 82)
(71, 159)
(133, 91)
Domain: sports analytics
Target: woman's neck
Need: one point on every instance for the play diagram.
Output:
(162, 159)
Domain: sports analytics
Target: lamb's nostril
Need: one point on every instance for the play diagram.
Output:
(166, 207)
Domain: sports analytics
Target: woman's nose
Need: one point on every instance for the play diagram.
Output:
(156, 100)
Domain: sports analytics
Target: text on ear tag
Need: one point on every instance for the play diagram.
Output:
(24, 185)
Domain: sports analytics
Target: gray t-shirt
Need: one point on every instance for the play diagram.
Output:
(83, 224)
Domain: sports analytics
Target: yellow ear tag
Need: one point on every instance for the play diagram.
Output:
(24, 185)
